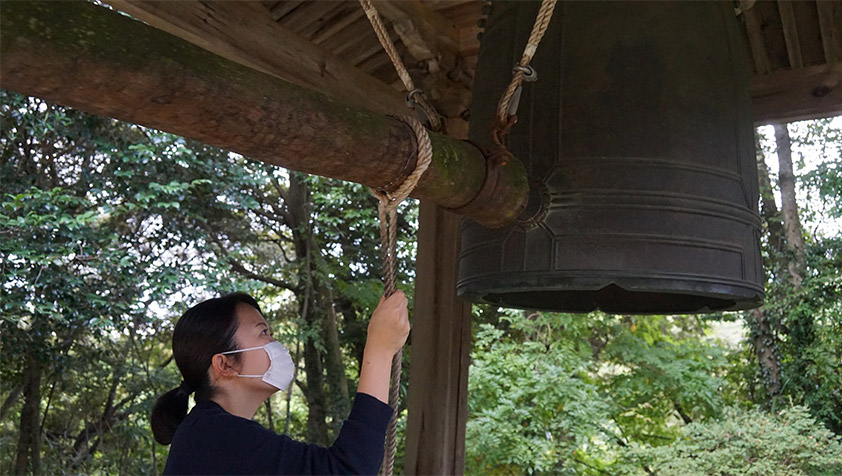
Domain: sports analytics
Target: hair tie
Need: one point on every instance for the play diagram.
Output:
(185, 388)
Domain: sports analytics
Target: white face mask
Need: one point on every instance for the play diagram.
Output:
(279, 373)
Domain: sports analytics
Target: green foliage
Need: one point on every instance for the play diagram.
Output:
(109, 231)
(805, 319)
(533, 404)
(563, 394)
(665, 377)
(744, 443)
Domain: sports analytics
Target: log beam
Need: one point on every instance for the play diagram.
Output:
(89, 57)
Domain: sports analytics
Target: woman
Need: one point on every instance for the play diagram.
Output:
(227, 356)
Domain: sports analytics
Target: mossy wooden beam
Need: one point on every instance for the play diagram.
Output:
(95, 59)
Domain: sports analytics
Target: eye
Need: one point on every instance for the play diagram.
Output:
(265, 332)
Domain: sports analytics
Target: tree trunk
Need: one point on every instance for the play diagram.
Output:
(298, 205)
(768, 208)
(339, 404)
(766, 350)
(315, 394)
(29, 439)
(270, 420)
(792, 223)
(800, 326)
(763, 337)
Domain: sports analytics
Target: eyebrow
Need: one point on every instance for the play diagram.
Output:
(261, 324)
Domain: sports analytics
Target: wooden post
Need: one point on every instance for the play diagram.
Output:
(439, 353)
(89, 57)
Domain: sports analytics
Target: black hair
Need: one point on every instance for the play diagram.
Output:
(203, 331)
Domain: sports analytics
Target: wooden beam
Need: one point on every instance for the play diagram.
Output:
(756, 41)
(824, 10)
(89, 57)
(829, 30)
(440, 352)
(245, 32)
(428, 35)
(283, 8)
(306, 20)
(794, 95)
(793, 45)
(349, 37)
(340, 25)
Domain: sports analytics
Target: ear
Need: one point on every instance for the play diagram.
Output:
(223, 366)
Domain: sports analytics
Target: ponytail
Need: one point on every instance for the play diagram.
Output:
(205, 330)
(169, 411)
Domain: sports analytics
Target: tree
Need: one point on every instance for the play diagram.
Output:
(803, 285)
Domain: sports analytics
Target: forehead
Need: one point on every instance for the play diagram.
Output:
(248, 316)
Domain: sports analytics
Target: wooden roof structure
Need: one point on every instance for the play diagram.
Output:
(794, 48)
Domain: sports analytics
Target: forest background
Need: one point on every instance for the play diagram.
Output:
(109, 231)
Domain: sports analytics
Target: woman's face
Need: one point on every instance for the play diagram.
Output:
(252, 331)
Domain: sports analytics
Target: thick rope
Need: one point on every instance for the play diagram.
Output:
(388, 215)
(414, 95)
(542, 22)
(389, 201)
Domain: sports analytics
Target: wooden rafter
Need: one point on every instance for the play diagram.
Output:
(245, 32)
(281, 9)
(309, 25)
(755, 40)
(793, 44)
(830, 30)
(354, 16)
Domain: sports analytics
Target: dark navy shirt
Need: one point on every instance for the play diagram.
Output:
(213, 441)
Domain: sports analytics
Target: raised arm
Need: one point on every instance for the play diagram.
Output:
(387, 332)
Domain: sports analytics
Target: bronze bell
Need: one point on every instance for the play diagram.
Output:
(639, 144)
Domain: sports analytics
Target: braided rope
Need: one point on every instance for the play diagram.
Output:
(389, 46)
(542, 22)
(387, 208)
(388, 215)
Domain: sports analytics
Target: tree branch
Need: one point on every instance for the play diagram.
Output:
(239, 268)
(10, 400)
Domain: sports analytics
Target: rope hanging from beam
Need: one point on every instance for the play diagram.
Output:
(388, 216)
(387, 208)
(507, 107)
(414, 96)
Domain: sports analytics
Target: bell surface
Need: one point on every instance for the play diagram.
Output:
(639, 144)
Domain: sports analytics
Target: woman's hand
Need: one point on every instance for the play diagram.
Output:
(389, 325)
(387, 332)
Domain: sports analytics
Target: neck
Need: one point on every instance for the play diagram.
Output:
(238, 401)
